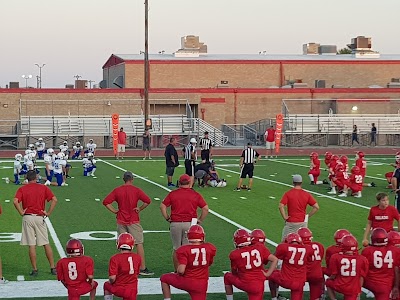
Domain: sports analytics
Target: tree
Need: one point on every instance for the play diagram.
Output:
(344, 51)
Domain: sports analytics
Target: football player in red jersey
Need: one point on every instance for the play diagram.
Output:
(339, 178)
(382, 264)
(315, 277)
(396, 165)
(247, 271)
(314, 168)
(328, 156)
(354, 184)
(362, 164)
(76, 271)
(381, 215)
(348, 270)
(123, 270)
(293, 274)
(345, 161)
(333, 249)
(331, 170)
(194, 261)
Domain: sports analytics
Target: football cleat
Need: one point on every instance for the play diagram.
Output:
(373, 184)
(342, 194)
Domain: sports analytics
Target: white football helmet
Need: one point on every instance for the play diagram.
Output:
(90, 155)
(65, 143)
(213, 183)
(40, 139)
(78, 144)
(27, 151)
(91, 141)
(31, 146)
(220, 184)
(50, 151)
(397, 158)
(60, 155)
(18, 157)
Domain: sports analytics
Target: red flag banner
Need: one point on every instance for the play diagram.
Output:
(115, 128)
(279, 127)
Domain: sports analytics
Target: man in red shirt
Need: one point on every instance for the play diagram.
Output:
(123, 270)
(295, 257)
(121, 143)
(194, 260)
(382, 264)
(247, 267)
(315, 171)
(296, 201)
(76, 271)
(127, 196)
(184, 203)
(315, 277)
(381, 215)
(348, 270)
(269, 137)
(33, 197)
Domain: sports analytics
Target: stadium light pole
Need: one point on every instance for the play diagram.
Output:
(26, 77)
(40, 74)
(146, 66)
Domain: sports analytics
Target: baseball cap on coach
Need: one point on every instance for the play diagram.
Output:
(184, 179)
(297, 178)
(193, 140)
(128, 175)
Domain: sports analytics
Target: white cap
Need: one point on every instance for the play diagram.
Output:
(297, 178)
(193, 140)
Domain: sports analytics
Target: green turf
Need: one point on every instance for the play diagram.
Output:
(259, 210)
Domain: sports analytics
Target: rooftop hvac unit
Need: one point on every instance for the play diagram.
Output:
(327, 49)
(69, 86)
(223, 83)
(103, 84)
(395, 80)
(14, 85)
(297, 85)
(320, 84)
(393, 85)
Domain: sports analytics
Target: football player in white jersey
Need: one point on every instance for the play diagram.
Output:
(64, 148)
(40, 147)
(77, 151)
(32, 150)
(59, 170)
(89, 165)
(49, 159)
(90, 147)
(17, 169)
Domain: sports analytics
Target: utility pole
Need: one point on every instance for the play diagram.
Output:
(146, 66)
(40, 74)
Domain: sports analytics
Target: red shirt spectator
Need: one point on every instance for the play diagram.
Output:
(33, 197)
(121, 137)
(74, 271)
(270, 134)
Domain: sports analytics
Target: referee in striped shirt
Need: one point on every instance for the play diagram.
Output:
(190, 159)
(206, 148)
(247, 160)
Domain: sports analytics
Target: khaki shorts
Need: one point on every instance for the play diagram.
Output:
(178, 231)
(270, 145)
(34, 231)
(135, 229)
(121, 148)
(292, 227)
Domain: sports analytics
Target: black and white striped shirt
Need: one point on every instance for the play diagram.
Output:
(205, 144)
(249, 155)
(189, 149)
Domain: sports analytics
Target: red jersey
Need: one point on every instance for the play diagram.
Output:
(197, 258)
(362, 164)
(383, 217)
(247, 262)
(74, 271)
(270, 135)
(314, 266)
(356, 179)
(327, 161)
(315, 164)
(382, 261)
(295, 259)
(33, 197)
(126, 267)
(184, 203)
(121, 138)
(127, 196)
(332, 165)
(333, 249)
(297, 201)
(341, 176)
(348, 270)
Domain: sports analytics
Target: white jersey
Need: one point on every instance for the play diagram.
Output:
(29, 165)
(87, 163)
(17, 167)
(63, 148)
(76, 148)
(40, 146)
(49, 161)
(91, 147)
(58, 165)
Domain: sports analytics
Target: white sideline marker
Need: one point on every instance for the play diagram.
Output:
(68, 200)
(161, 176)
(228, 175)
(244, 198)
(97, 199)
(272, 175)
(157, 199)
(7, 201)
(117, 177)
(271, 197)
(94, 177)
(214, 198)
(379, 174)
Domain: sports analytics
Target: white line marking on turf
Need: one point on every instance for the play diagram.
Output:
(312, 192)
(210, 211)
(55, 238)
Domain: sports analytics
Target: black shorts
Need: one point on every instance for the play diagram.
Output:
(247, 170)
(205, 155)
(170, 171)
(146, 147)
(189, 167)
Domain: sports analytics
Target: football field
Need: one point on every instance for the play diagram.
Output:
(79, 213)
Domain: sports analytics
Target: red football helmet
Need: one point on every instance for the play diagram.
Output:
(196, 233)
(328, 155)
(394, 238)
(305, 234)
(349, 244)
(258, 236)
(293, 238)
(360, 154)
(125, 241)
(314, 155)
(241, 238)
(74, 247)
(379, 237)
(334, 158)
(339, 234)
(339, 167)
(344, 159)
(355, 170)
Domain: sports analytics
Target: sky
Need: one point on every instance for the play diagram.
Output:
(76, 37)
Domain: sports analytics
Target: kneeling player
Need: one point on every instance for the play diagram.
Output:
(354, 184)
(333, 249)
(247, 272)
(194, 261)
(339, 178)
(89, 165)
(77, 151)
(123, 270)
(59, 170)
(314, 168)
(76, 271)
